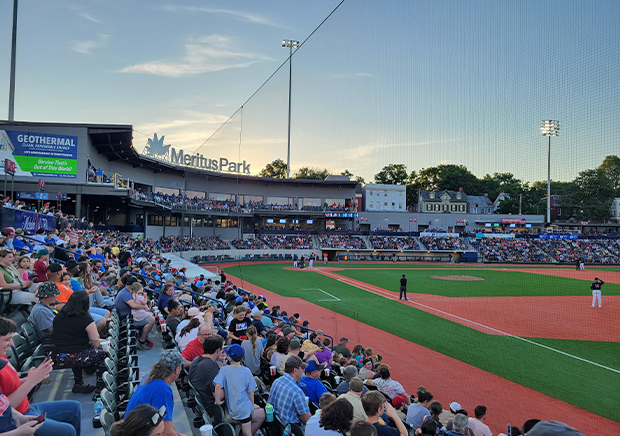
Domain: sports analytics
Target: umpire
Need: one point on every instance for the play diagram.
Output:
(403, 288)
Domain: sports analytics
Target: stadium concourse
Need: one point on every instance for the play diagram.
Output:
(113, 272)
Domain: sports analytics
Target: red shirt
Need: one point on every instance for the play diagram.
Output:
(40, 270)
(9, 383)
(193, 350)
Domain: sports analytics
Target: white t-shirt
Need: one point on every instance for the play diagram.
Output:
(478, 427)
(313, 428)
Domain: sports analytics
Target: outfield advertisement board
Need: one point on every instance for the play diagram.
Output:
(40, 154)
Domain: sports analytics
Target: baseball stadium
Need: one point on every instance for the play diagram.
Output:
(407, 222)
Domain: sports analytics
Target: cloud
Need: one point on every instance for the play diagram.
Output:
(86, 47)
(202, 55)
(243, 16)
(190, 118)
(89, 17)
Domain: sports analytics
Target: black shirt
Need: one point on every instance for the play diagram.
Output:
(403, 282)
(201, 374)
(239, 329)
(69, 334)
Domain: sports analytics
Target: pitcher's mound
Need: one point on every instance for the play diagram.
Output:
(459, 278)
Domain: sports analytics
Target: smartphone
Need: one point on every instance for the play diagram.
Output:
(509, 430)
(41, 417)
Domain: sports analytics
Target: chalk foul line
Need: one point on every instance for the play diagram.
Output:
(334, 298)
(381, 293)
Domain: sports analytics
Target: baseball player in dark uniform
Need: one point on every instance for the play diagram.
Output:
(596, 291)
(403, 288)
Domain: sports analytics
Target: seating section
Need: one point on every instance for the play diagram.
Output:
(444, 243)
(510, 250)
(394, 243)
(346, 242)
(287, 241)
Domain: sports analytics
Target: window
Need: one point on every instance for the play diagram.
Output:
(385, 204)
(370, 193)
(453, 208)
(437, 207)
(155, 220)
(445, 207)
(400, 205)
(385, 194)
(429, 207)
(170, 221)
(461, 208)
(196, 222)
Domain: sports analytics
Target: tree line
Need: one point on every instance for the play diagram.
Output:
(586, 198)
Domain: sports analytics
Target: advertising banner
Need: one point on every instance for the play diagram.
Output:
(440, 235)
(40, 154)
(29, 221)
(513, 220)
(495, 235)
(558, 237)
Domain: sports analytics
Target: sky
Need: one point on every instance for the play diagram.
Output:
(421, 83)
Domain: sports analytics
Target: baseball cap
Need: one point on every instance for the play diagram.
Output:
(357, 385)
(48, 289)
(312, 366)
(42, 252)
(398, 400)
(172, 359)
(70, 264)
(54, 267)
(294, 344)
(194, 312)
(123, 271)
(293, 362)
(306, 323)
(235, 352)
(344, 339)
(455, 407)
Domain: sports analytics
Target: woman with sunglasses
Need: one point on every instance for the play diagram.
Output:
(144, 420)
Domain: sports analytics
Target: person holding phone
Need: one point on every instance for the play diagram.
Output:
(13, 423)
(63, 418)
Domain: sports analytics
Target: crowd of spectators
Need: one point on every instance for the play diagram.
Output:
(346, 242)
(444, 243)
(394, 243)
(168, 244)
(183, 201)
(510, 250)
(251, 243)
(287, 241)
(581, 250)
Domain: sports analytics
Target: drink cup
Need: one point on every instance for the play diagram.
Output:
(326, 372)
(105, 345)
(206, 430)
(337, 379)
(307, 400)
(272, 370)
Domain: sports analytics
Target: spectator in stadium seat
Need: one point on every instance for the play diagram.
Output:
(294, 349)
(419, 412)
(204, 368)
(552, 428)
(155, 389)
(144, 420)
(63, 417)
(376, 405)
(363, 428)
(77, 340)
(348, 373)
(42, 314)
(366, 371)
(238, 384)
(459, 426)
(356, 390)
(341, 347)
(167, 293)
(173, 320)
(335, 420)
(385, 384)
(477, 425)
(287, 398)
(313, 423)
(239, 325)
(39, 239)
(253, 349)
(257, 321)
(282, 346)
(194, 348)
(9, 279)
(449, 414)
(310, 383)
(324, 356)
(40, 266)
(13, 423)
(125, 302)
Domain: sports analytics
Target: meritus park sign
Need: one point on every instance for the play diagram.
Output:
(156, 148)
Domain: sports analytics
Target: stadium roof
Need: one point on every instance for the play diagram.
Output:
(115, 142)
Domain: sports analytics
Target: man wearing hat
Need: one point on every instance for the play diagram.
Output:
(356, 389)
(42, 314)
(54, 272)
(239, 385)
(257, 321)
(448, 414)
(341, 348)
(286, 397)
(310, 383)
(294, 349)
(596, 291)
(155, 389)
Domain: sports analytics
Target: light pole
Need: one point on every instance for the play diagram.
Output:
(290, 44)
(549, 128)
(12, 78)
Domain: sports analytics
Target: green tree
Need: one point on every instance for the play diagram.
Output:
(349, 174)
(611, 168)
(311, 173)
(594, 194)
(452, 177)
(274, 170)
(392, 174)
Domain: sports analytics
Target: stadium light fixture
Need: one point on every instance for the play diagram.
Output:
(549, 128)
(291, 44)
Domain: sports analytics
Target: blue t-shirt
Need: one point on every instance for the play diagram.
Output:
(97, 256)
(162, 302)
(385, 430)
(6, 415)
(76, 285)
(237, 382)
(156, 393)
(312, 388)
(121, 300)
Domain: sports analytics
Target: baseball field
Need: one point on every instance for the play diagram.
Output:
(477, 334)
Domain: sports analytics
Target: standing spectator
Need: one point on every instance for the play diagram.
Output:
(376, 405)
(287, 398)
(477, 425)
(40, 266)
(239, 385)
(204, 368)
(155, 389)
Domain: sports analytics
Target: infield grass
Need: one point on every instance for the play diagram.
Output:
(557, 375)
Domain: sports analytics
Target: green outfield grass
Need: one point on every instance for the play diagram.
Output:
(495, 284)
(563, 377)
